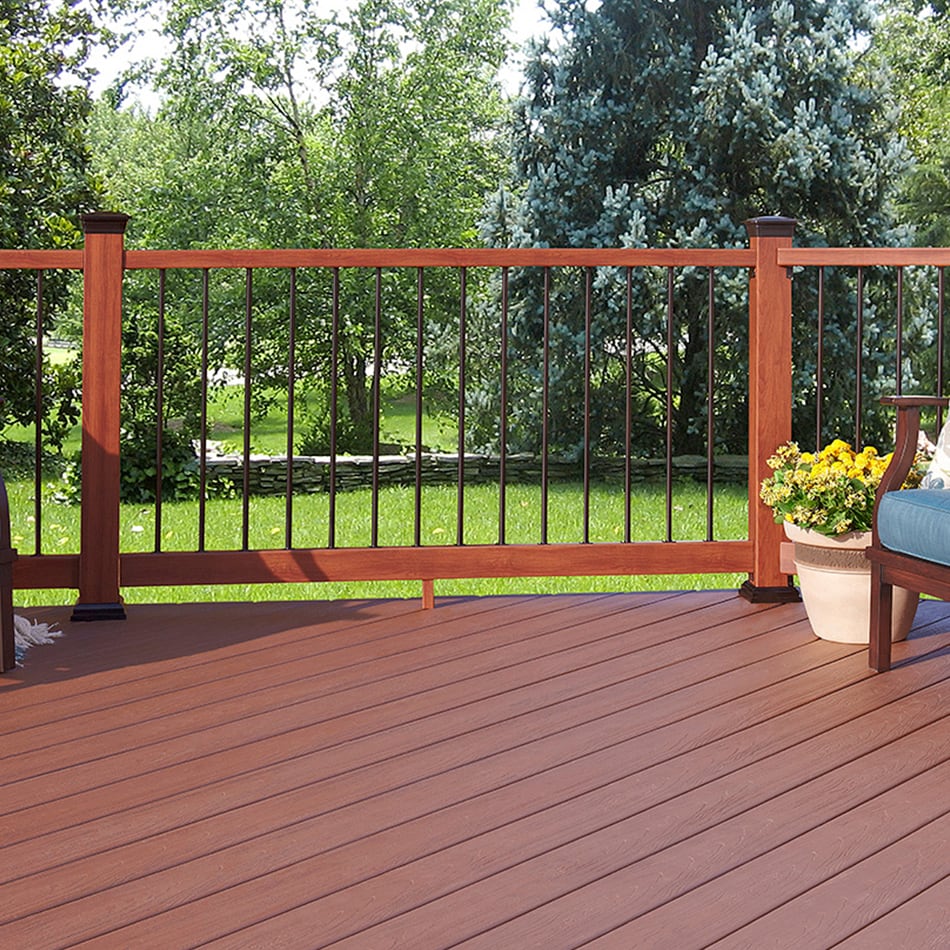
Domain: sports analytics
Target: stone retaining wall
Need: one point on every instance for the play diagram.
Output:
(311, 473)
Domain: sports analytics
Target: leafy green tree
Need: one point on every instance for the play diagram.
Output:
(175, 185)
(669, 124)
(279, 126)
(913, 39)
(45, 183)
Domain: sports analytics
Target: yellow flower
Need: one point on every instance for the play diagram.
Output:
(831, 491)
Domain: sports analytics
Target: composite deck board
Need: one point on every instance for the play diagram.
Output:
(305, 700)
(336, 649)
(292, 678)
(574, 716)
(612, 770)
(428, 759)
(919, 922)
(360, 715)
(838, 906)
(777, 850)
(595, 875)
(600, 755)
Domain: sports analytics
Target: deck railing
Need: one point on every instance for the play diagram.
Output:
(909, 285)
(100, 568)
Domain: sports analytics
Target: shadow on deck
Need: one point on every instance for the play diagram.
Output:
(622, 770)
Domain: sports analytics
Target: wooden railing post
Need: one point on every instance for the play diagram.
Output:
(770, 398)
(103, 269)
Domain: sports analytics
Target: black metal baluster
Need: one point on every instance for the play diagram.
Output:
(503, 422)
(377, 402)
(940, 345)
(291, 387)
(710, 406)
(38, 422)
(545, 405)
(820, 373)
(248, 343)
(203, 454)
(463, 331)
(420, 338)
(859, 361)
(899, 342)
(334, 404)
(160, 410)
(670, 342)
(588, 280)
(628, 414)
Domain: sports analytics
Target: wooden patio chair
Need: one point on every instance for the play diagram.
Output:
(910, 544)
(7, 557)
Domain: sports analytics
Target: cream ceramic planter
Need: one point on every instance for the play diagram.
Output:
(835, 581)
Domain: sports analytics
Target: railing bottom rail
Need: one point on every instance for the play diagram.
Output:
(436, 562)
(430, 562)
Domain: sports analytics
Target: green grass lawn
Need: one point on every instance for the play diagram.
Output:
(59, 354)
(269, 432)
(60, 534)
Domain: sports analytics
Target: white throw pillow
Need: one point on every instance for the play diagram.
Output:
(938, 472)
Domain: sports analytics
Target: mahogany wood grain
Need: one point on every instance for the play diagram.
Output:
(546, 858)
(101, 382)
(436, 561)
(443, 257)
(840, 905)
(41, 260)
(864, 256)
(480, 765)
(920, 922)
(770, 390)
(870, 806)
(46, 570)
(313, 721)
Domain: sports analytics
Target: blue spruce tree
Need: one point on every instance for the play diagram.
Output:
(658, 123)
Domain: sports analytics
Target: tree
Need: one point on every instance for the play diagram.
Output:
(45, 184)
(669, 124)
(913, 39)
(281, 127)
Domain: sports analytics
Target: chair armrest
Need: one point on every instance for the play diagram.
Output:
(4, 516)
(905, 447)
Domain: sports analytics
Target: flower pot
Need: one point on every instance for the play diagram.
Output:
(835, 581)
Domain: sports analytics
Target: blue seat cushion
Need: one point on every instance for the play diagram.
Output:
(916, 522)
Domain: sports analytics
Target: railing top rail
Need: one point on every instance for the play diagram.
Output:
(41, 260)
(864, 256)
(488, 257)
(443, 257)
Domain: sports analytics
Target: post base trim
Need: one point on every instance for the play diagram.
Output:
(788, 594)
(83, 612)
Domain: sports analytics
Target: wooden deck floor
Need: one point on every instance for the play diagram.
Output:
(613, 771)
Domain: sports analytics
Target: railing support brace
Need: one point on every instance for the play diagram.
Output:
(770, 399)
(103, 268)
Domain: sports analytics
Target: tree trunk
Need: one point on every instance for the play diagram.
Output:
(358, 389)
(689, 422)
